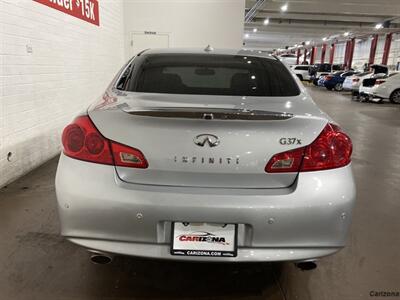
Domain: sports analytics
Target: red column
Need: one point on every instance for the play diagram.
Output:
(323, 52)
(298, 56)
(386, 51)
(312, 58)
(305, 54)
(332, 54)
(346, 54)
(372, 52)
(352, 44)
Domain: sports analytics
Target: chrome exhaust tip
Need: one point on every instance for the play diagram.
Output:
(100, 258)
(306, 265)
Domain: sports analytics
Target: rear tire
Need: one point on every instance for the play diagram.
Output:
(339, 87)
(355, 96)
(300, 77)
(395, 97)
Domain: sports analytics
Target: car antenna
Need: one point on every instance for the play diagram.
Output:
(208, 48)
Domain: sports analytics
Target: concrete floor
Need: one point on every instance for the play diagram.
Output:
(35, 263)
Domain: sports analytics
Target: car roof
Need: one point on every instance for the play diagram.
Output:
(216, 51)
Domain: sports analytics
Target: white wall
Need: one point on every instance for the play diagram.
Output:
(70, 65)
(190, 23)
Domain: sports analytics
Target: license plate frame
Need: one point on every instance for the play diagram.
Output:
(221, 238)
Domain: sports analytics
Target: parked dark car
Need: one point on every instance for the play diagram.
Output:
(335, 80)
(322, 69)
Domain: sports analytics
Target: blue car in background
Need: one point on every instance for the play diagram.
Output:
(321, 79)
(335, 80)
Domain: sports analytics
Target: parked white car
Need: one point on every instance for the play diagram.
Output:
(387, 88)
(355, 86)
(371, 88)
(289, 59)
(353, 83)
(302, 71)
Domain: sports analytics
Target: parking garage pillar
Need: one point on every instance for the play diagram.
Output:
(312, 55)
(386, 50)
(323, 52)
(372, 52)
(298, 56)
(305, 55)
(352, 44)
(332, 53)
(346, 54)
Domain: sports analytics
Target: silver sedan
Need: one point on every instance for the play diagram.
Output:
(206, 155)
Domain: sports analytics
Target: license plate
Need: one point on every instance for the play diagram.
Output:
(204, 239)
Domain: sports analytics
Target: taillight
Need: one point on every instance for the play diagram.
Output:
(378, 81)
(328, 77)
(289, 161)
(356, 79)
(125, 156)
(332, 149)
(82, 140)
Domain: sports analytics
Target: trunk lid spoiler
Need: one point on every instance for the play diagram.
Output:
(209, 113)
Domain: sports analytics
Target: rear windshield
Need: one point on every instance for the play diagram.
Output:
(210, 75)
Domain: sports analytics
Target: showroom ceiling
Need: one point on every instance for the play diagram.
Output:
(313, 20)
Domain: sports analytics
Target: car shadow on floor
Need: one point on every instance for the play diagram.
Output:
(129, 277)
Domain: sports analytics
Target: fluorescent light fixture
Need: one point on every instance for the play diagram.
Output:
(246, 35)
(308, 43)
(255, 29)
(379, 26)
(324, 39)
(346, 33)
(284, 7)
(266, 21)
(296, 45)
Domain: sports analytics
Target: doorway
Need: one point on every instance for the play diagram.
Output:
(148, 39)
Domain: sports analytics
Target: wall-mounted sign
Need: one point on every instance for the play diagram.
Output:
(87, 10)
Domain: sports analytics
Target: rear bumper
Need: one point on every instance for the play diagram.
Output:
(308, 220)
(157, 251)
(329, 84)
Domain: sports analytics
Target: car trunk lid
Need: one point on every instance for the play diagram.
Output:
(189, 142)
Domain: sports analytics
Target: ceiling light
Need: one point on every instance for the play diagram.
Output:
(247, 35)
(255, 29)
(346, 33)
(296, 45)
(266, 21)
(379, 26)
(324, 39)
(284, 7)
(308, 43)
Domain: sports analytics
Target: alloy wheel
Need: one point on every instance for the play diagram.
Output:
(395, 98)
(338, 87)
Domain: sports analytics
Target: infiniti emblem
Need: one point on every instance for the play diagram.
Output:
(210, 139)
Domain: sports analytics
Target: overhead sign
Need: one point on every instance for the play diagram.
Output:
(87, 10)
